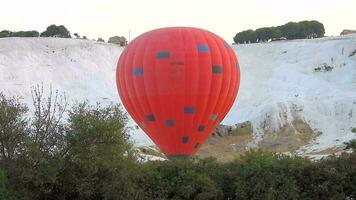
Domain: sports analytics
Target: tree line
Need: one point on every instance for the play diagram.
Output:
(290, 31)
(59, 31)
(84, 152)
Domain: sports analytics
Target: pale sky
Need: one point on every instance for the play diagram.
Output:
(106, 18)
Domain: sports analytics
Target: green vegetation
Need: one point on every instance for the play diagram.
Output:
(6, 33)
(121, 41)
(88, 155)
(56, 31)
(51, 31)
(59, 32)
(353, 130)
(290, 31)
(101, 40)
(351, 144)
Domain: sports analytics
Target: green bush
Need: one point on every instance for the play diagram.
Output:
(25, 34)
(56, 31)
(98, 157)
(245, 37)
(290, 30)
(119, 40)
(89, 156)
(6, 33)
(330, 178)
(260, 176)
(177, 180)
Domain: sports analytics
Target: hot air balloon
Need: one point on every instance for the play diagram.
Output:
(178, 83)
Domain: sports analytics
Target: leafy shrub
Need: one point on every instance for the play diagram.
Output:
(89, 156)
(290, 31)
(177, 180)
(6, 33)
(261, 177)
(118, 40)
(101, 40)
(56, 31)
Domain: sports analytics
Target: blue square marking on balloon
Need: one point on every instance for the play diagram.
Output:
(203, 48)
(189, 110)
(217, 69)
(169, 122)
(201, 128)
(213, 117)
(185, 139)
(150, 118)
(138, 71)
(163, 55)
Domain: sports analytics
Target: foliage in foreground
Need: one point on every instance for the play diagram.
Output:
(85, 153)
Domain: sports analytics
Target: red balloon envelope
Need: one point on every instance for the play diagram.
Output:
(178, 83)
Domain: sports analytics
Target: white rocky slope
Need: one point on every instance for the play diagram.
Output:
(283, 81)
(280, 81)
(83, 69)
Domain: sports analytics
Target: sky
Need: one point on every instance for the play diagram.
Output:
(130, 18)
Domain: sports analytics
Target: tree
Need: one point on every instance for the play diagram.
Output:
(76, 35)
(264, 34)
(101, 40)
(47, 131)
(5, 33)
(35, 170)
(317, 28)
(13, 129)
(99, 158)
(118, 40)
(290, 30)
(260, 177)
(248, 36)
(56, 31)
(25, 34)
(276, 32)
